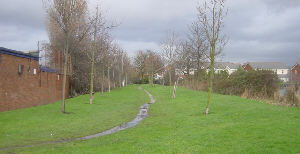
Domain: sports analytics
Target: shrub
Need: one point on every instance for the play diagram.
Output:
(142, 81)
(249, 84)
(256, 83)
(290, 97)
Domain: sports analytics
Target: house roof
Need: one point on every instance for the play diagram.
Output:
(18, 53)
(223, 65)
(297, 63)
(268, 65)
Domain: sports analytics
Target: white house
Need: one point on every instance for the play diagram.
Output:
(277, 67)
(229, 67)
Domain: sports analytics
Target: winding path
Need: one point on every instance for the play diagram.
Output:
(143, 113)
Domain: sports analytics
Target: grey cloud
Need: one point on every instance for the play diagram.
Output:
(263, 31)
(22, 13)
(22, 24)
(258, 30)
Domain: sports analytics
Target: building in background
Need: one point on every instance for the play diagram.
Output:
(229, 67)
(295, 73)
(278, 68)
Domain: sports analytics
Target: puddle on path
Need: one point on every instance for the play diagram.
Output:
(143, 113)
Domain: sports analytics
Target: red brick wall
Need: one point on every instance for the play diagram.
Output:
(295, 74)
(27, 89)
(247, 67)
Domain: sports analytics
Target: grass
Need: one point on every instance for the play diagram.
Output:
(47, 123)
(235, 125)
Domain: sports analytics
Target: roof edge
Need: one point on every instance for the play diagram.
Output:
(18, 53)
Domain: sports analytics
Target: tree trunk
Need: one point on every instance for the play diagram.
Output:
(126, 79)
(163, 80)
(170, 78)
(102, 85)
(93, 61)
(108, 79)
(174, 90)
(120, 80)
(113, 78)
(152, 79)
(92, 77)
(66, 50)
(210, 77)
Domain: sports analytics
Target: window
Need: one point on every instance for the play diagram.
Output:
(34, 71)
(20, 69)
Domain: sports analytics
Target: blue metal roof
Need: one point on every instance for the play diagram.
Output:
(18, 54)
(47, 69)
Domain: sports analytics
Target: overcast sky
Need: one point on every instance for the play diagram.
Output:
(258, 30)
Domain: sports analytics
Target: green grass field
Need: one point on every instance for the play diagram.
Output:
(47, 123)
(235, 125)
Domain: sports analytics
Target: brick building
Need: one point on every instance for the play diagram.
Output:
(295, 73)
(23, 83)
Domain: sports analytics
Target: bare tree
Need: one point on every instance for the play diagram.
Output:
(66, 15)
(153, 62)
(169, 46)
(183, 62)
(93, 57)
(210, 17)
(147, 63)
(185, 57)
(197, 44)
(127, 68)
(140, 63)
(109, 66)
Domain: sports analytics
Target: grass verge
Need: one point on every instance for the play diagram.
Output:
(47, 123)
(235, 125)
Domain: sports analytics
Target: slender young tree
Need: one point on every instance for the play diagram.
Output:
(108, 70)
(211, 18)
(169, 46)
(65, 16)
(93, 57)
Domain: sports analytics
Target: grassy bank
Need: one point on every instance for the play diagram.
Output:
(47, 123)
(235, 125)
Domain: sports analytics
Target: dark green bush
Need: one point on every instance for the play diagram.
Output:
(142, 81)
(255, 83)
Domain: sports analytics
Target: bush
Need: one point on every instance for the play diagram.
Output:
(290, 97)
(260, 83)
(249, 84)
(142, 81)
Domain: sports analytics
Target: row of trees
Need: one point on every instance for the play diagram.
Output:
(203, 43)
(86, 52)
(147, 63)
(83, 49)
